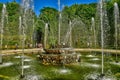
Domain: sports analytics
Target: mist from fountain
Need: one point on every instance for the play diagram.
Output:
(1, 30)
(74, 25)
(68, 36)
(116, 24)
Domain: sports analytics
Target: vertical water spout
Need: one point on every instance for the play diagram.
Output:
(94, 31)
(59, 23)
(21, 44)
(102, 33)
(70, 33)
(45, 35)
(1, 28)
(20, 27)
(33, 36)
(32, 32)
(116, 20)
(26, 6)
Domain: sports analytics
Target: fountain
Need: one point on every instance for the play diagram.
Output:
(102, 34)
(33, 25)
(58, 56)
(104, 28)
(45, 35)
(22, 40)
(1, 28)
(23, 27)
(61, 55)
(59, 25)
(70, 33)
(94, 31)
(116, 22)
(4, 16)
(20, 30)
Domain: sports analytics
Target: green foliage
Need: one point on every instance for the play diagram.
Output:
(11, 34)
(50, 16)
(110, 10)
(80, 12)
(0, 9)
(85, 12)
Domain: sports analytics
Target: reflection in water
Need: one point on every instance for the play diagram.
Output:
(62, 71)
(90, 65)
(114, 63)
(90, 56)
(6, 64)
(97, 76)
(25, 66)
(95, 59)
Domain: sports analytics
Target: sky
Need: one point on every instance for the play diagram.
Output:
(39, 4)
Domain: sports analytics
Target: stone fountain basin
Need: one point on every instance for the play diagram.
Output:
(59, 56)
(59, 51)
